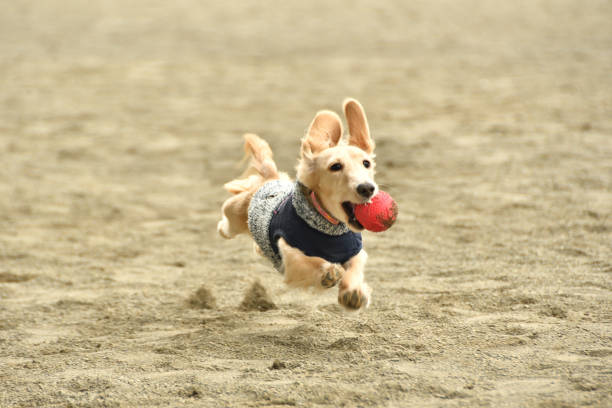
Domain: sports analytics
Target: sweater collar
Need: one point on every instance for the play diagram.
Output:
(314, 218)
(321, 210)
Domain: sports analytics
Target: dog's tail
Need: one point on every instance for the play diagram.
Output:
(261, 167)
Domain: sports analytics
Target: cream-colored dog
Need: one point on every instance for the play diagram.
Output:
(308, 228)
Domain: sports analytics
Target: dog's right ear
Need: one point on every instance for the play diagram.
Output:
(324, 132)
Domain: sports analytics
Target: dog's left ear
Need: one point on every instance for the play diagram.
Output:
(359, 131)
(324, 132)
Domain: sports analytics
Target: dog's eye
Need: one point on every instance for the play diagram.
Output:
(336, 167)
(366, 164)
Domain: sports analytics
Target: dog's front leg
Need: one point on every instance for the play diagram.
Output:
(304, 271)
(353, 292)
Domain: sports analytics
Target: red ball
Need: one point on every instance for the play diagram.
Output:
(379, 214)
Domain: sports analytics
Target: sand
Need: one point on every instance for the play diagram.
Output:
(120, 121)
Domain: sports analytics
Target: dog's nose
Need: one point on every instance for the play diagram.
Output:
(366, 190)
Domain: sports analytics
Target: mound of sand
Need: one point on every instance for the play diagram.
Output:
(202, 299)
(256, 298)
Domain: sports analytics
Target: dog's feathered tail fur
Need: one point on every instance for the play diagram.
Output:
(261, 167)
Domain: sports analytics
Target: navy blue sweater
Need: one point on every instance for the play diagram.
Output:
(286, 223)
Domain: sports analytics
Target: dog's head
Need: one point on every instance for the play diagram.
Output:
(340, 172)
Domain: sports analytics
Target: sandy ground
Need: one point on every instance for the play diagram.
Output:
(119, 122)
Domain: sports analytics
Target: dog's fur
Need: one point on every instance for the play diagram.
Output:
(322, 147)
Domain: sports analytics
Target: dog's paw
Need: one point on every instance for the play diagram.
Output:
(355, 298)
(223, 228)
(332, 273)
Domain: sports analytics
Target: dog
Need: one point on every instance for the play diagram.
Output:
(307, 228)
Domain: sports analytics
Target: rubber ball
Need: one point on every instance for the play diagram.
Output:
(379, 214)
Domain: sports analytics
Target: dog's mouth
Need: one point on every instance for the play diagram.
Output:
(349, 209)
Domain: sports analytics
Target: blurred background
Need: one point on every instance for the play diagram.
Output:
(118, 70)
(121, 120)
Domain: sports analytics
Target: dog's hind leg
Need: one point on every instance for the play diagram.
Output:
(258, 251)
(234, 218)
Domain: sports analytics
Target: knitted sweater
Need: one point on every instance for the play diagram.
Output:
(280, 209)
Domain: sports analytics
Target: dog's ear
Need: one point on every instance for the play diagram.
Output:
(324, 132)
(359, 132)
